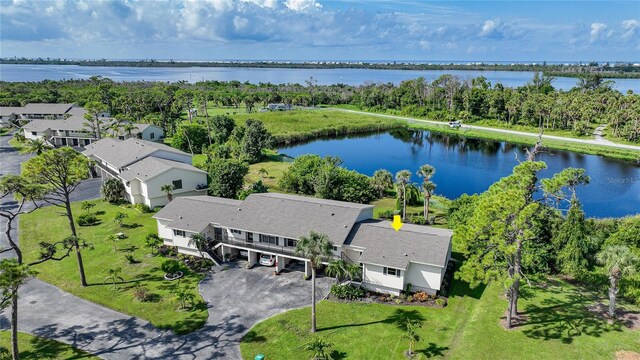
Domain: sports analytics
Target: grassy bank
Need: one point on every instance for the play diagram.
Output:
(301, 125)
(47, 224)
(622, 154)
(37, 348)
(468, 328)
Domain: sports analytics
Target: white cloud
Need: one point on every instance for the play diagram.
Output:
(424, 44)
(489, 27)
(597, 31)
(631, 28)
(303, 6)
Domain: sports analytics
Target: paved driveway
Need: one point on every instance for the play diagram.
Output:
(238, 298)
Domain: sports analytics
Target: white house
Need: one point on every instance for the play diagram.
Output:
(144, 167)
(9, 115)
(272, 224)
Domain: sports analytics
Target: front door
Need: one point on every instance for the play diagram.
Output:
(64, 141)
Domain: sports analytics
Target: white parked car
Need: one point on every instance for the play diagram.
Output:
(267, 260)
(455, 124)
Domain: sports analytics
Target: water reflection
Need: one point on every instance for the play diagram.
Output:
(468, 165)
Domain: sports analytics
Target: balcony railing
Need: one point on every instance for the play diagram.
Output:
(255, 245)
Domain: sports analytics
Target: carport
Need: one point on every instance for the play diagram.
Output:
(253, 257)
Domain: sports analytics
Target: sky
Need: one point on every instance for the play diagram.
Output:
(302, 30)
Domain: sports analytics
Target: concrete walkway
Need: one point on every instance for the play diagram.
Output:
(504, 131)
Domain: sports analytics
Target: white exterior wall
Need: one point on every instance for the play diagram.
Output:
(352, 254)
(422, 277)
(150, 190)
(374, 279)
(163, 231)
(42, 135)
(156, 131)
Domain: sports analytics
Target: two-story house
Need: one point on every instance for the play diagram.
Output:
(272, 224)
(144, 167)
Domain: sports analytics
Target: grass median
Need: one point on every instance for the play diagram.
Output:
(36, 348)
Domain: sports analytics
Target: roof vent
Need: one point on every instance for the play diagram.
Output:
(405, 254)
(239, 209)
(332, 214)
(179, 217)
(345, 226)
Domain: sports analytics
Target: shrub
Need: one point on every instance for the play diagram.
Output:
(347, 292)
(143, 208)
(112, 190)
(421, 296)
(131, 259)
(407, 289)
(441, 302)
(88, 220)
(418, 220)
(170, 266)
(142, 293)
(167, 251)
(386, 214)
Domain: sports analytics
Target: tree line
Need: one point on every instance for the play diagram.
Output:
(592, 102)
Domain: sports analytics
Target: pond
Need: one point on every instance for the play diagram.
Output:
(465, 165)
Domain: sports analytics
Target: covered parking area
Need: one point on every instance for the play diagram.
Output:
(252, 256)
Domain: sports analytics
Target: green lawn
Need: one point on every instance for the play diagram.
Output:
(275, 165)
(438, 208)
(468, 328)
(47, 224)
(37, 348)
(17, 145)
(300, 125)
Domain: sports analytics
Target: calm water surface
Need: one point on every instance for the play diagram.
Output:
(10, 72)
(471, 166)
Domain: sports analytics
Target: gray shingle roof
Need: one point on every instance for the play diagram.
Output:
(194, 213)
(10, 110)
(53, 109)
(412, 243)
(151, 167)
(73, 123)
(122, 153)
(293, 216)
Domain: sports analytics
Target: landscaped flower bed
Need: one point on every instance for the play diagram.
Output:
(349, 293)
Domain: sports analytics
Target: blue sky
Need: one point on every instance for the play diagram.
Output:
(322, 30)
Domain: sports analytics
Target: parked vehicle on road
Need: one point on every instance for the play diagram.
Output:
(455, 124)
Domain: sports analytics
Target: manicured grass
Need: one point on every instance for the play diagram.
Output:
(47, 224)
(300, 125)
(438, 208)
(37, 348)
(468, 328)
(17, 145)
(275, 165)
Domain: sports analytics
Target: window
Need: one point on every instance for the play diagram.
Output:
(268, 239)
(292, 243)
(249, 237)
(177, 184)
(34, 133)
(179, 233)
(234, 231)
(392, 272)
(152, 136)
(335, 248)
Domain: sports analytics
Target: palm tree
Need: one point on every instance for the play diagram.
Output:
(411, 334)
(113, 239)
(619, 261)
(336, 268)
(427, 171)
(319, 348)
(87, 206)
(183, 296)
(316, 248)
(112, 190)
(198, 241)
(352, 271)
(153, 242)
(402, 178)
(381, 181)
(119, 218)
(167, 189)
(113, 276)
(129, 127)
(37, 146)
(427, 190)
